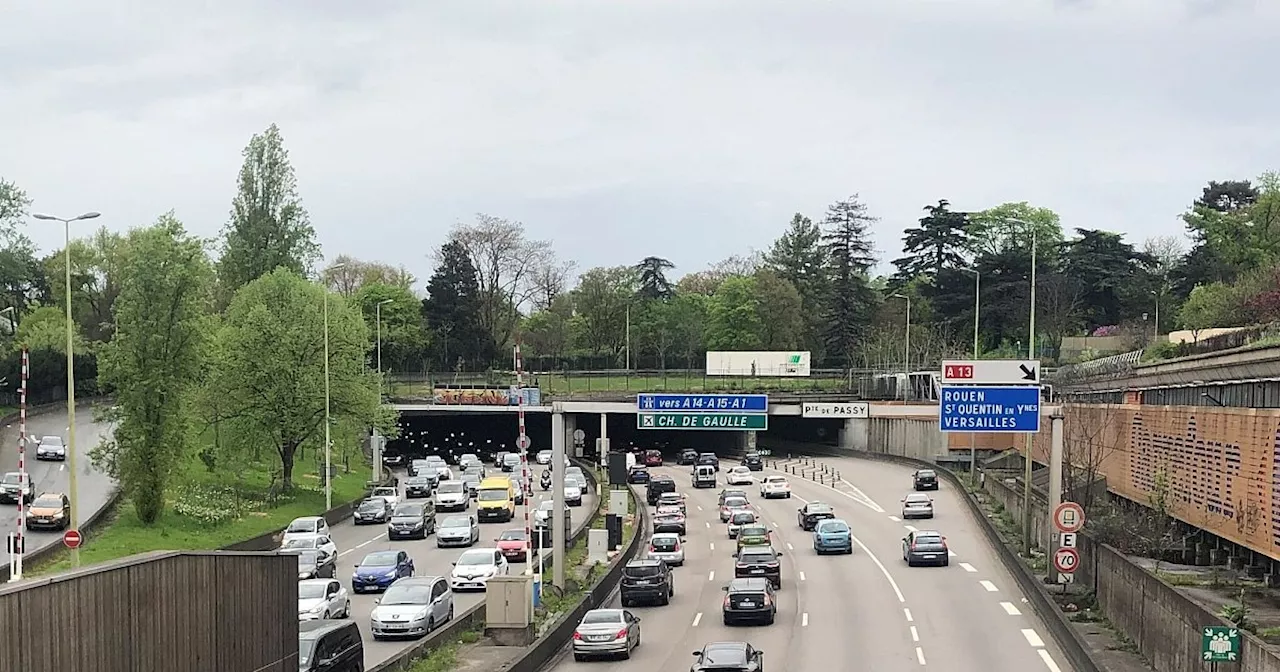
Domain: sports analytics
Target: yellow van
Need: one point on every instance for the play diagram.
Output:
(496, 499)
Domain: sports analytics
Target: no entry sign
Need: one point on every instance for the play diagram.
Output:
(71, 538)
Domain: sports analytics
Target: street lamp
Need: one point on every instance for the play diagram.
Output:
(906, 351)
(328, 420)
(1031, 354)
(977, 307)
(74, 523)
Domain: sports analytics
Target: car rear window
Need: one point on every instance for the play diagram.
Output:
(820, 508)
(664, 543)
(926, 474)
(744, 517)
(642, 570)
(928, 539)
(735, 502)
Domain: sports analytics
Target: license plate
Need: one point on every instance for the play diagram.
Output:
(642, 583)
(757, 571)
(747, 604)
(929, 556)
(600, 638)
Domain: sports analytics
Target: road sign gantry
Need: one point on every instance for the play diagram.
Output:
(734, 412)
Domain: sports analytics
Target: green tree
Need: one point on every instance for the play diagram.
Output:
(734, 316)
(46, 329)
(940, 241)
(781, 312)
(452, 310)
(1239, 223)
(404, 339)
(270, 370)
(154, 361)
(851, 254)
(22, 278)
(346, 275)
(1212, 306)
(1220, 206)
(1009, 228)
(547, 333)
(651, 274)
(269, 228)
(601, 300)
(799, 257)
(95, 281)
(1113, 276)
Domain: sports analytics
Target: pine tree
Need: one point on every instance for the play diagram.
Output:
(799, 257)
(652, 275)
(851, 255)
(452, 310)
(938, 242)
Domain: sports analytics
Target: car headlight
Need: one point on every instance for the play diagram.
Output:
(316, 609)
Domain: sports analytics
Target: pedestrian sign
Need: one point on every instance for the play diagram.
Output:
(1219, 644)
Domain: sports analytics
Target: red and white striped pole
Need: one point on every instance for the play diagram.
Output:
(20, 541)
(526, 481)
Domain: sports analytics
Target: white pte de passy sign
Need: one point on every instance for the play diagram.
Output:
(837, 409)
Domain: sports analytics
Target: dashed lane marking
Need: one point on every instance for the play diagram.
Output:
(915, 634)
(802, 576)
(857, 495)
(1010, 609)
(991, 587)
(711, 576)
(790, 547)
(920, 655)
(708, 525)
(911, 528)
(907, 613)
(1048, 661)
(804, 620)
(968, 567)
(697, 619)
(895, 519)
(699, 508)
(713, 545)
(1033, 638)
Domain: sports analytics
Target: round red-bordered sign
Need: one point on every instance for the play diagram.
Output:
(1066, 560)
(1068, 517)
(72, 538)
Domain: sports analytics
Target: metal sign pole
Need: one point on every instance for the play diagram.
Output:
(20, 541)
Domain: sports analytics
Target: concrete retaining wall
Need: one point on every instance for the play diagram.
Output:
(905, 437)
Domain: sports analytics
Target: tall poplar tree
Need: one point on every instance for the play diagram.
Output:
(850, 254)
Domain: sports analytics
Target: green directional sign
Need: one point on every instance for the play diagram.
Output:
(1219, 644)
(726, 421)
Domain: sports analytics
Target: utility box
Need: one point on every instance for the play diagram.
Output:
(509, 610)
(618, 502)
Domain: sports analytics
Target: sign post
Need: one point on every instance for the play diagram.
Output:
(1219, 644)
(1068, 520)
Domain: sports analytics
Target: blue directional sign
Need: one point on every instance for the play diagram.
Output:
(968, 408)
(705, 403)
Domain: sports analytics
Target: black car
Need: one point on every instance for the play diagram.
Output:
(313, 564)
(412, 520)
(753, 462)
(393, 459)
(759, 562)
(332, 646)
(372, 510)
(688, 457)
(709, 458)
(925, 479)
(925, 547)
(658, 485)
(728, 657)
(808, 515)
(749, 601)
(417, 487)
(638, 474)
(647, 581)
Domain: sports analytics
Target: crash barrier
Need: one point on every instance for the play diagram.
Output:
(1073, 645)
(475, 616)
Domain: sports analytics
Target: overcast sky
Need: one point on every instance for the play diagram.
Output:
(618, 129)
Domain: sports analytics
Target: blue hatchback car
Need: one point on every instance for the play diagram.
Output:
(832, 536)
(380, 569)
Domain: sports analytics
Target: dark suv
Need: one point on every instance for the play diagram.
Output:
(749, 601)
(925, 479)
(658, 485)
(753, 462)
(688, 457)
(709, 458)
(647, 581)
(761, 562)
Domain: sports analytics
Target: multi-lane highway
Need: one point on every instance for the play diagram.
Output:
(354, 541)
(95, 488)
(868, 608)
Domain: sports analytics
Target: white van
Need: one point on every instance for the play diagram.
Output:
(704, 476)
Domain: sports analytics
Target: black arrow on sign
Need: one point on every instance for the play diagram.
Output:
(1028, 373)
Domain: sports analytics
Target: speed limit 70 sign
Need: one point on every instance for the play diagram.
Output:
(1066, 560)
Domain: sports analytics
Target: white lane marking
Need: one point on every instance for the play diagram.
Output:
(951, 553)
(915, 634)
(699, 508)
(802, 576)
(1033, 638)
(920, 655)
(711, 576)
(708, 525)
(883, 570)
(991, 587)
(368, 542)
(1048, 661)
(968, 567)
(790, 547)
(1010, 609)
(895, 519)
(61, 467)
(804, 620)
(713, 545)
(697, 619)
(907, 612)
(857, 495)
(911, 528)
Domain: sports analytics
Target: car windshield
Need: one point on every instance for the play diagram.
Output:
(456, 521)
(743, 517)
(741, 470)
(308, 558)
(302, 526)
(303, 542)
(12, 478)
(409, 510)
(451, 487)
(724, 656)
(836, 527)
(47, 502)
(305, 647)
(598, 616)
(512, 535)
(735, 502)
(51, 441)
(493, 495)
(311, 591)
(476, 558)
(470, 478)
(406, 595)
(571, 487)
(373, 504)
(380, 559)
(417, 481)
(511, 459)
(754, 531)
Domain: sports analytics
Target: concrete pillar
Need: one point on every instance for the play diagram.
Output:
(602, 443)
(558, 534)
(750, 441)
(570, 426)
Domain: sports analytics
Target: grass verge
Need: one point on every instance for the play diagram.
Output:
(445, 657)
(208, 509)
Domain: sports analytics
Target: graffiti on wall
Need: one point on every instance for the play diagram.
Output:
(487, 397)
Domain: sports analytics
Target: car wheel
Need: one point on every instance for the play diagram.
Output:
(450, 617)
(431, 625)
(377, 638)
(327, 615)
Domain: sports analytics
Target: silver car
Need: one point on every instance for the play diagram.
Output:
(665, 546)
(917, 505)
(322, 599)
(572, 495)
(606, 632)
(452, 496)
(738, 520)
(457, 531)
(412, 607)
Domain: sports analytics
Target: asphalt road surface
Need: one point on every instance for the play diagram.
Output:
(868, 608)
(355, 541)
(95, 488)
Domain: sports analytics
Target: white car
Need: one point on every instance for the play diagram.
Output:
(740, 476)
(775, 486)
(51, 448)
(917, 505)
(305, 526)
(322, 598)
(544, 457)
(444, 473)
(388, 493)
(475, 567)
(572, 495)
(319, 542)
(665, 546)
(452, 496)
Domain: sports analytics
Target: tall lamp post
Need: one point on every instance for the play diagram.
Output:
(1031, 354)
(74, 523)
(328, 419)
(906, 350)
(977, 307)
